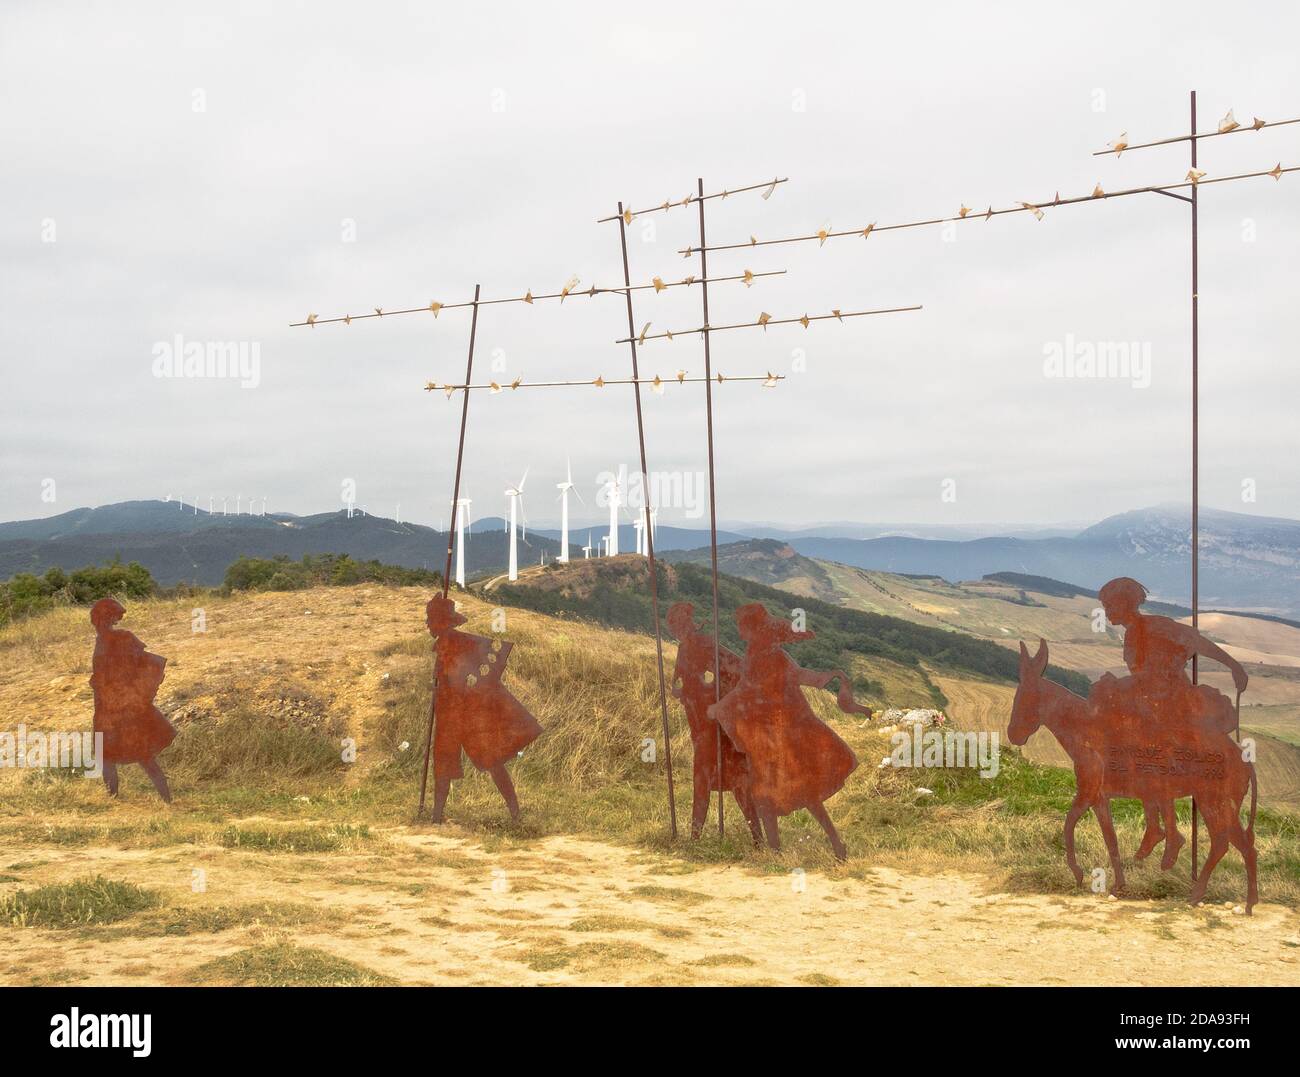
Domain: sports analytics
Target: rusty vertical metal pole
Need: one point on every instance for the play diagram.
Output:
(649, 536)
(451, 538)
(713, 500)
(1196, 447)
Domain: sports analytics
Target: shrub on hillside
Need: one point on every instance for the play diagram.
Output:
(320, 570)
(25, 594)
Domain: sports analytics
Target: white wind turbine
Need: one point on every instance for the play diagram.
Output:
(638, 525)
(462, 521)
(238, 499)
(613, 517)
(516, 496)
(564, 488)
(586, 550)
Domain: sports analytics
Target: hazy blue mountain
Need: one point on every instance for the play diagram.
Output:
(197, 548)
(1247, 562)
(903, 530)
(666, 538)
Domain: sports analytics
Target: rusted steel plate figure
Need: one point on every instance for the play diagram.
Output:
(475, 711)
(795, 759)
(693, 686)
(125, 678)
(1153, 736)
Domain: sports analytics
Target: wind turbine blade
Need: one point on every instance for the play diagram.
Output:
(520, 487)
(568, 471)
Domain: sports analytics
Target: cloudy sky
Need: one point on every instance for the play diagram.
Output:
(215, 172)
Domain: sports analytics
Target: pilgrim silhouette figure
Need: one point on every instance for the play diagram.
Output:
(693, 686)
(125, 678)
(475, 712)
(1156, 651)
(1158, 692)
(795, 759)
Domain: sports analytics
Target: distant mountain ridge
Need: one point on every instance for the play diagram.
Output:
(1247, 562)
(198, 547)
(767, 561)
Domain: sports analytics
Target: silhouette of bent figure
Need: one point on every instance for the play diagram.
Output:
(1159, 692)
(693, 685)
(474, 711)
(125, 678)
(795, 759)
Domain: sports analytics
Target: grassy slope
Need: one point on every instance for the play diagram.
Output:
(614, 592)
(364, 658)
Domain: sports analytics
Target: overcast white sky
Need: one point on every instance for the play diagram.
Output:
(479, 143)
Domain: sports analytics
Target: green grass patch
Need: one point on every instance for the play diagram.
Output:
(183, 920)
(92, 900)
(285, 965)
(719, 961)
(295, 839)
(670, 894)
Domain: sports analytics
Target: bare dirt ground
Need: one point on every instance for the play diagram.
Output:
(438, 909)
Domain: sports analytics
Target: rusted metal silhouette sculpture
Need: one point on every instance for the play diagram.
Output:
(795, 759)
(475, 711)
(1156, 651)
(1152, 736)
(693, 686)
(125, 678)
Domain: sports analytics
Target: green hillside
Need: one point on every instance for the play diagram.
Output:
(615, 592)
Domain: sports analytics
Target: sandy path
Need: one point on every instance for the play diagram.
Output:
(436, 909)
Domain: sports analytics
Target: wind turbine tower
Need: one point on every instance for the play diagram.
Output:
(516, 496)
(564, 488)
(462, 519)
(613, 517)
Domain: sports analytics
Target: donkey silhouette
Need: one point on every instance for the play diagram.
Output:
(1116, 754)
